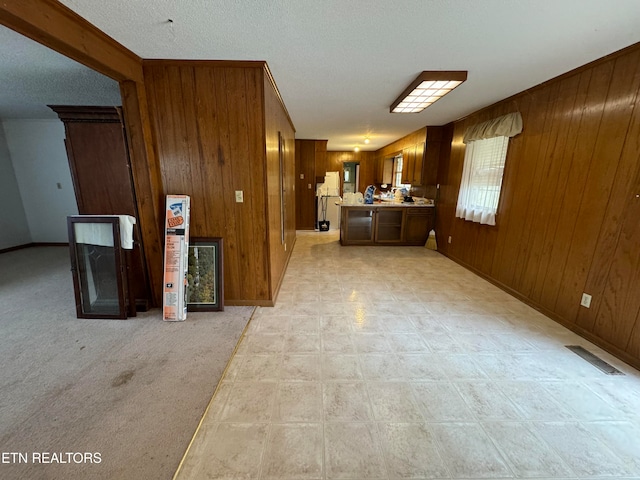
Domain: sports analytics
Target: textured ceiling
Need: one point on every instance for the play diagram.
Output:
(32, 77)
(339, 64)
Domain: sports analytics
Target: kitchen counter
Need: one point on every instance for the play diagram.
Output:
(386, 223)
(386, 204)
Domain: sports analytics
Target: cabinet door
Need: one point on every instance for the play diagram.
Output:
(408, 161)
(431, 161)
(389, 223)
(418, 224)
(418, 164)
(357, 226)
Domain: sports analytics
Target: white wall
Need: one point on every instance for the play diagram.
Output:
(40, 163)
(14, 230)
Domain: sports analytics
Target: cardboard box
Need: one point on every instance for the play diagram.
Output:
(176, 254)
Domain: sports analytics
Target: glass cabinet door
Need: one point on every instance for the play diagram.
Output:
(360, 225)
(389, 225)
(97, 266)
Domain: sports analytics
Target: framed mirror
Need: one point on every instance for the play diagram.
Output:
(204, 276)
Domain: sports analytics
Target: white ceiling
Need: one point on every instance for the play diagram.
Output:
(32, 77)
(339, 64)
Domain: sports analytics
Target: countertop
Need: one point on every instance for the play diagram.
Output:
(386, 204)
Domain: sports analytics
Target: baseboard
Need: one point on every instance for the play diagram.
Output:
(248, 303)
(612, 349)
(34, 244)
(276, 290)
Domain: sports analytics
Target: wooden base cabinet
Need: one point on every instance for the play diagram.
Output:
(389, 225)
(418, 223)
(357, 226)
(385, 225)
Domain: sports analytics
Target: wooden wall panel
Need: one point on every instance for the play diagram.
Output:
(277, 122)
(209, 126)
(409, 140)
(305, 196)
(147, 181)
(568, 219)
(334, 161)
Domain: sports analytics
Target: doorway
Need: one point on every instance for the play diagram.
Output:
(350, 177)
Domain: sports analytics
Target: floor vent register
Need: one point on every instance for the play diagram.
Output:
(594, 360)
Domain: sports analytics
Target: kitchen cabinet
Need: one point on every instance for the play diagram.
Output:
(412, 164)
(418, 163)
(408, 162)
(388, 224)
(356, 225)
(418, 223)
(381, 224)
(384, 170)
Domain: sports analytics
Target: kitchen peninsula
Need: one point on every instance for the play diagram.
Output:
(386, 223)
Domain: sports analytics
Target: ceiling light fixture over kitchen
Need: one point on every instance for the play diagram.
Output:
(356, 149)
(366, 140)
(426, 89)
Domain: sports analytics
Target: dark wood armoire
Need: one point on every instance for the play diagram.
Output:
(98, 155)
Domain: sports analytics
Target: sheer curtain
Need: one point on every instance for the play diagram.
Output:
(481, 180)
(484, 161)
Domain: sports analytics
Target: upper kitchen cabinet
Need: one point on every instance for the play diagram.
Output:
(432, 155)
(224, 137)
(408, 162)
(412, 160)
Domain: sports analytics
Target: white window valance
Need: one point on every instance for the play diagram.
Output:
(508, 125)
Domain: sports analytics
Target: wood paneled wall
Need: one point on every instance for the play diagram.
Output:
(409, 140)
(334, 161)
(569, 215)
(277, 122)
(215, 125)
(307, 151)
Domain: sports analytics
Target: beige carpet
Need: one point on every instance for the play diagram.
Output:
(132, 391)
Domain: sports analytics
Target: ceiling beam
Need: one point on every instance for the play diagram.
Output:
(55, 26)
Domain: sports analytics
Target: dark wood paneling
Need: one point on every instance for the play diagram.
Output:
(278, 123)
(305, 196)
(334, 161)
(568, 219)
(147, 181)
(209, 124)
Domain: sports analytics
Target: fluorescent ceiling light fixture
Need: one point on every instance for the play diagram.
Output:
(427, 89)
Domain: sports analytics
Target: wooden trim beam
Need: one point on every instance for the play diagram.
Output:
(54, 25)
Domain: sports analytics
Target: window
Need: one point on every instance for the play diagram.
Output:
(484, 161)
(397, 173)
(482, 179)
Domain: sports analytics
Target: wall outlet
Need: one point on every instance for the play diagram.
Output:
(239, 196)
(449, 239)
(586, 300)
(59, 185)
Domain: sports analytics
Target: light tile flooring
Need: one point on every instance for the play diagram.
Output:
(394, 363)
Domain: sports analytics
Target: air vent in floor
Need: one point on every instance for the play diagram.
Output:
(593, 360)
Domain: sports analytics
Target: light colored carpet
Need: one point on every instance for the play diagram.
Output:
(131, 390)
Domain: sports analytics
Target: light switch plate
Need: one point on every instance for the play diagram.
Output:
(239, 196)
(586, 300)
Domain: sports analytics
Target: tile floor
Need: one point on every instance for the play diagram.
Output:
(396, 363)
